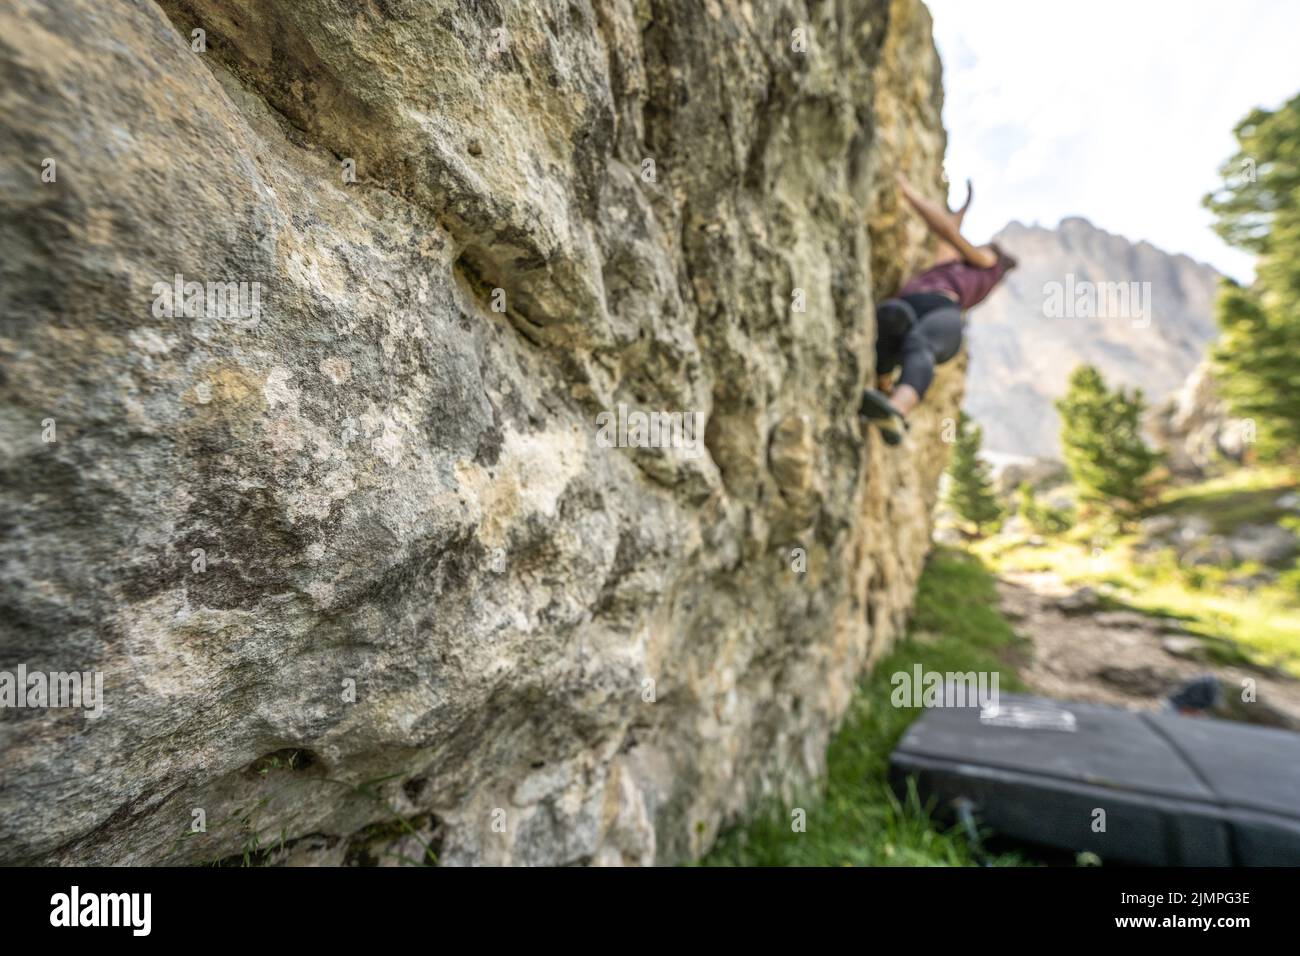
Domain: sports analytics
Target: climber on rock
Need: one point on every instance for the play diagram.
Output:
(922, 326)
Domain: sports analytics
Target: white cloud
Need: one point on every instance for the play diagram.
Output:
(1117, 110)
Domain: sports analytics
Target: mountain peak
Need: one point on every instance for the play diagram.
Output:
(1022, 352)
(1076, 223)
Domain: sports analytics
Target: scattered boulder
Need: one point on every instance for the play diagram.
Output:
(1185, 646)
(1190, 535)
(1191, 528)
(1248, 582)
(1085, 600)
(1212, 551)
(1041, 473)
(1158, 526)
(1129, 620)
(1262, 544)
(1140, 681)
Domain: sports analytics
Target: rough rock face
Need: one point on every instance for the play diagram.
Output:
(357, 570)
(1022, 352)
(1195, 428)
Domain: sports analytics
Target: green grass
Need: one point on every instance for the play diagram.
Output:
(1257, 624)
(857, 820)
(1245, 496)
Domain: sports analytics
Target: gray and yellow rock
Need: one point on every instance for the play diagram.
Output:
(356, 569)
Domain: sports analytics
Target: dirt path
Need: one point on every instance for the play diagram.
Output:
(1082, 652)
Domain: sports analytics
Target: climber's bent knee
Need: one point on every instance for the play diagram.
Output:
(918, 370)
(942, 330)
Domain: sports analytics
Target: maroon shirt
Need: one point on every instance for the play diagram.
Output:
(967, 283)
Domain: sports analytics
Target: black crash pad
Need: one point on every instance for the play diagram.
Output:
(1176, 790)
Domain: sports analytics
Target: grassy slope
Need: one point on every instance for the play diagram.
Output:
(858, 821)
(1259, 624)
(1245, 496)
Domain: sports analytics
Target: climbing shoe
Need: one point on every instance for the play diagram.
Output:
(875, 408)
(875, 405)
(891, 430)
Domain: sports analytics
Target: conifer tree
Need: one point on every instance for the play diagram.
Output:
(970, 493)
(1103, 446)
(1257, 361)
(1042, 518)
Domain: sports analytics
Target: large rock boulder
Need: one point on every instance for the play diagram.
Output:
(1043, 474)
(360, 567)
(1196, 430)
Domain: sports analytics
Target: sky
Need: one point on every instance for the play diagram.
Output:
(1120, 111)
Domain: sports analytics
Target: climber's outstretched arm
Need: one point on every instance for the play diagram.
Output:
(941, 224)
(970, 194)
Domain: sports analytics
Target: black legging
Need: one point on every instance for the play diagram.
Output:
(932, 340)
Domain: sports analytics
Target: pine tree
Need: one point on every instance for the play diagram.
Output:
(970, 493)
(1042, 518)
(1102, 442)
(1258, 209)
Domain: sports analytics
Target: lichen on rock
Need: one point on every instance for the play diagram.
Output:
(353, 565)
